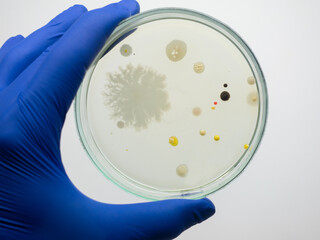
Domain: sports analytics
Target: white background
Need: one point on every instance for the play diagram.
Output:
(278, 195)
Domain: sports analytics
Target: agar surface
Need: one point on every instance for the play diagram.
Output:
(136, 96)
(182, 170)
(196, 111)
(126, 50)
(173, 141)
(198, 67)
(176, 50)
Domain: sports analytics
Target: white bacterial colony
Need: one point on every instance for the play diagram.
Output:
(176, 50)
(182, 170)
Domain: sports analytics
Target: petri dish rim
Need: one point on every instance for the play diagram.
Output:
(129, 184)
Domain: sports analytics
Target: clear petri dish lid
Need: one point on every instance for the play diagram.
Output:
(174, 105)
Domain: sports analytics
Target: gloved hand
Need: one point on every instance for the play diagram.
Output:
(39, 77)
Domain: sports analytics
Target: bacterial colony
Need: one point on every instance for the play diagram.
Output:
(174, 118)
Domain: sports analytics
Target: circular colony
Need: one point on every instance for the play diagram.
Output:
(174, 105)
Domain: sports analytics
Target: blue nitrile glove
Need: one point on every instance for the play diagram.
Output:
(39, 77)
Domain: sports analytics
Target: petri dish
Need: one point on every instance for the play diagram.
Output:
(174, 105)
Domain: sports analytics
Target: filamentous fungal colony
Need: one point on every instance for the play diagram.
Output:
(175, 109)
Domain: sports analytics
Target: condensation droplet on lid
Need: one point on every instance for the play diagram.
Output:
(182, 170)
(176, 50)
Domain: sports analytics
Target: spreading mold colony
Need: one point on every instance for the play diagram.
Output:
(136, 95)
(174, 106)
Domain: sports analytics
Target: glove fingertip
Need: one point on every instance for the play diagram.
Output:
(69, 14)
(13, 40)
(18, 37)
(79, 7)
(132, 5)
(206, 209)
